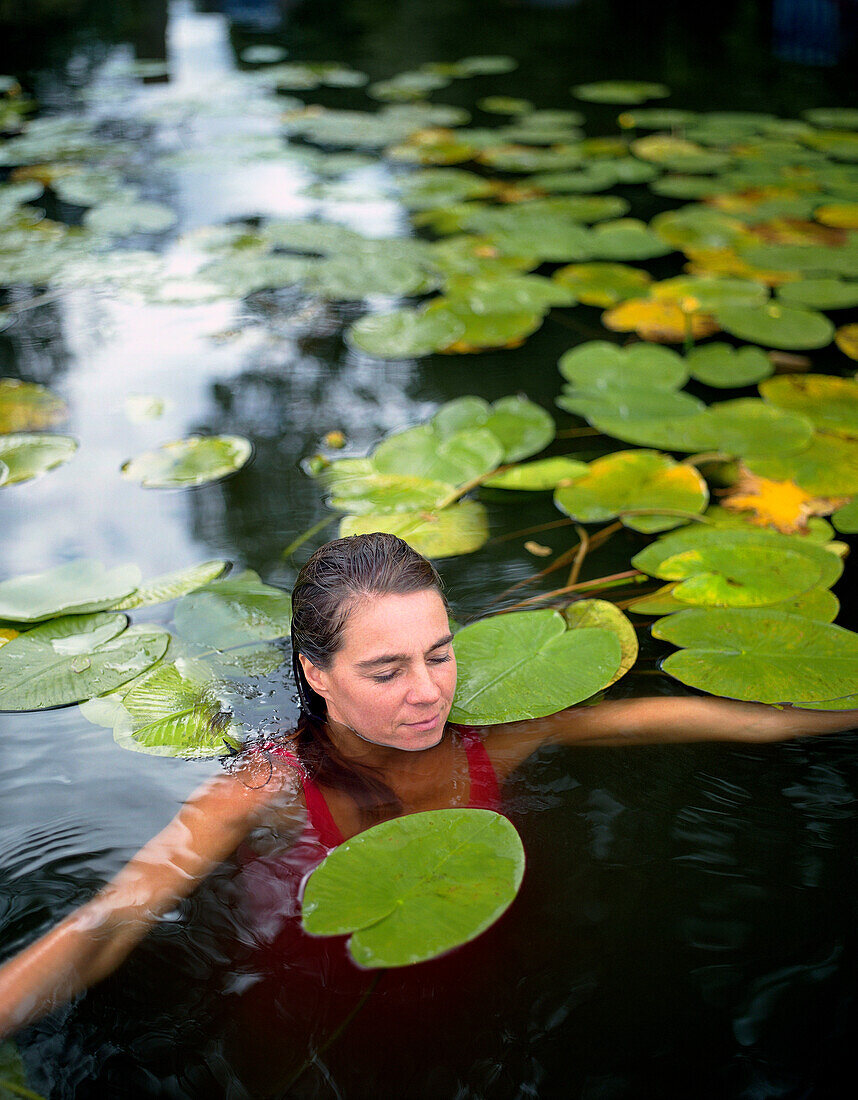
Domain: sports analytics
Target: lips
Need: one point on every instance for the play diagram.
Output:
(426, 724)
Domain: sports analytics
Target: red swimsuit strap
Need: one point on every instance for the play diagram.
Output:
(319, 816)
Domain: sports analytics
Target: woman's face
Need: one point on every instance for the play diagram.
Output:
(393, 678)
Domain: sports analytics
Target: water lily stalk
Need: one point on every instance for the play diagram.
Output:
(574, 433)
(583, 547)
(706, 456)
(335, 1034)
(19, 1090)
(531, 530)
(308, 534)
(614, 580)
(463, 490)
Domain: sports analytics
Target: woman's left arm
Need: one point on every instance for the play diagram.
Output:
(660, 720)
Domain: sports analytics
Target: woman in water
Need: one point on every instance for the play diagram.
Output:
(376, 674)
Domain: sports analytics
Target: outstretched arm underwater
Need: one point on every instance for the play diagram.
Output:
(660, 720)
(93, 940)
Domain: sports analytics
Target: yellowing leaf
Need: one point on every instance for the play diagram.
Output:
(724, 261)
(779, 504)
(796, 231)
(840, 215)
(846, 338)
(7, 636)
(663, 322)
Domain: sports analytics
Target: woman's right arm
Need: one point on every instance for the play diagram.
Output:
(94, 939)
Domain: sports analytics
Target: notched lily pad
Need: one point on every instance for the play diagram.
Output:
(599, 365)
(186, 462)
(417, 886)
(27, 407)
(528, 664)
(724, 367)
(29, 454)
(460, 528)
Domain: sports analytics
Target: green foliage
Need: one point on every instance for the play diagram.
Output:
(763, 655)
(460, 528)
(186, 462)
(26, 455)
(410, 889)
(528, 664)
(77, 588)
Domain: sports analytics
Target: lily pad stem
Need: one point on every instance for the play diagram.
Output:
(531, 530)
(614, 580)
(583, 547)
(336, 1033)
(474, 483)
(308, 534)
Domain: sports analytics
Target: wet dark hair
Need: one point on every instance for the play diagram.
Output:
(334, 579)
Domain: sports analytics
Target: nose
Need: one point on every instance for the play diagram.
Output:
(423, 689)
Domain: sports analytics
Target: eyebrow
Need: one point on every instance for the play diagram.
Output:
(392, 658)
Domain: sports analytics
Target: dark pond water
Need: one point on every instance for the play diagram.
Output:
(688, 921)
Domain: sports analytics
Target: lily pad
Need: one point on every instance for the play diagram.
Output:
(362, 276)
(73, 658)
(461, 528)
(405, 333)
(528, 664)
(679, 154)
(827, 466)
(599, 365)
(121, 219)
(27, 454)
(819, 294)
(724, 367)
(412, 888)
(603, 285)
(170, 586)
(818, 604)
(186, 462)
(631, 413)
(506, 293)
(776, 326)
(601, 613)
(737, 567)
(507, 329)
(175, 709)
(832, 118)
(846, 339)
(243, 273)
(629, 480)
(660, 320)
(698, 292)
(439, 453)
(845, 519)
(626, 239)
(26, 407)
(542, 475)
(829, 401)
(760, 655)
(233, 612)
(521, 427)
(620, 91)
(78, 587)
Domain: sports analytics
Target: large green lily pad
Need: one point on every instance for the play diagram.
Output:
(818, 604)
(186, 462)
(630, 480)
(829, 401)
(73, 658)
(507, 293)
(28, 454)
(76, 588)
(600, 365)
(353, 278)
(820, 294)
(762, 655)
(738, 567)
(405, 333)
(415, 887)
(27, 407)
(521, 427)
(528, 664)
(455, 457)
(485, 330)
(776, 326)
(461, 528)
(845, 519)
(359, 488)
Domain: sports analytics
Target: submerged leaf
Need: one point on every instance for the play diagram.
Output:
(170, 586)
(528, 664)
(414, 887)
(26, 407)
(234, 612)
